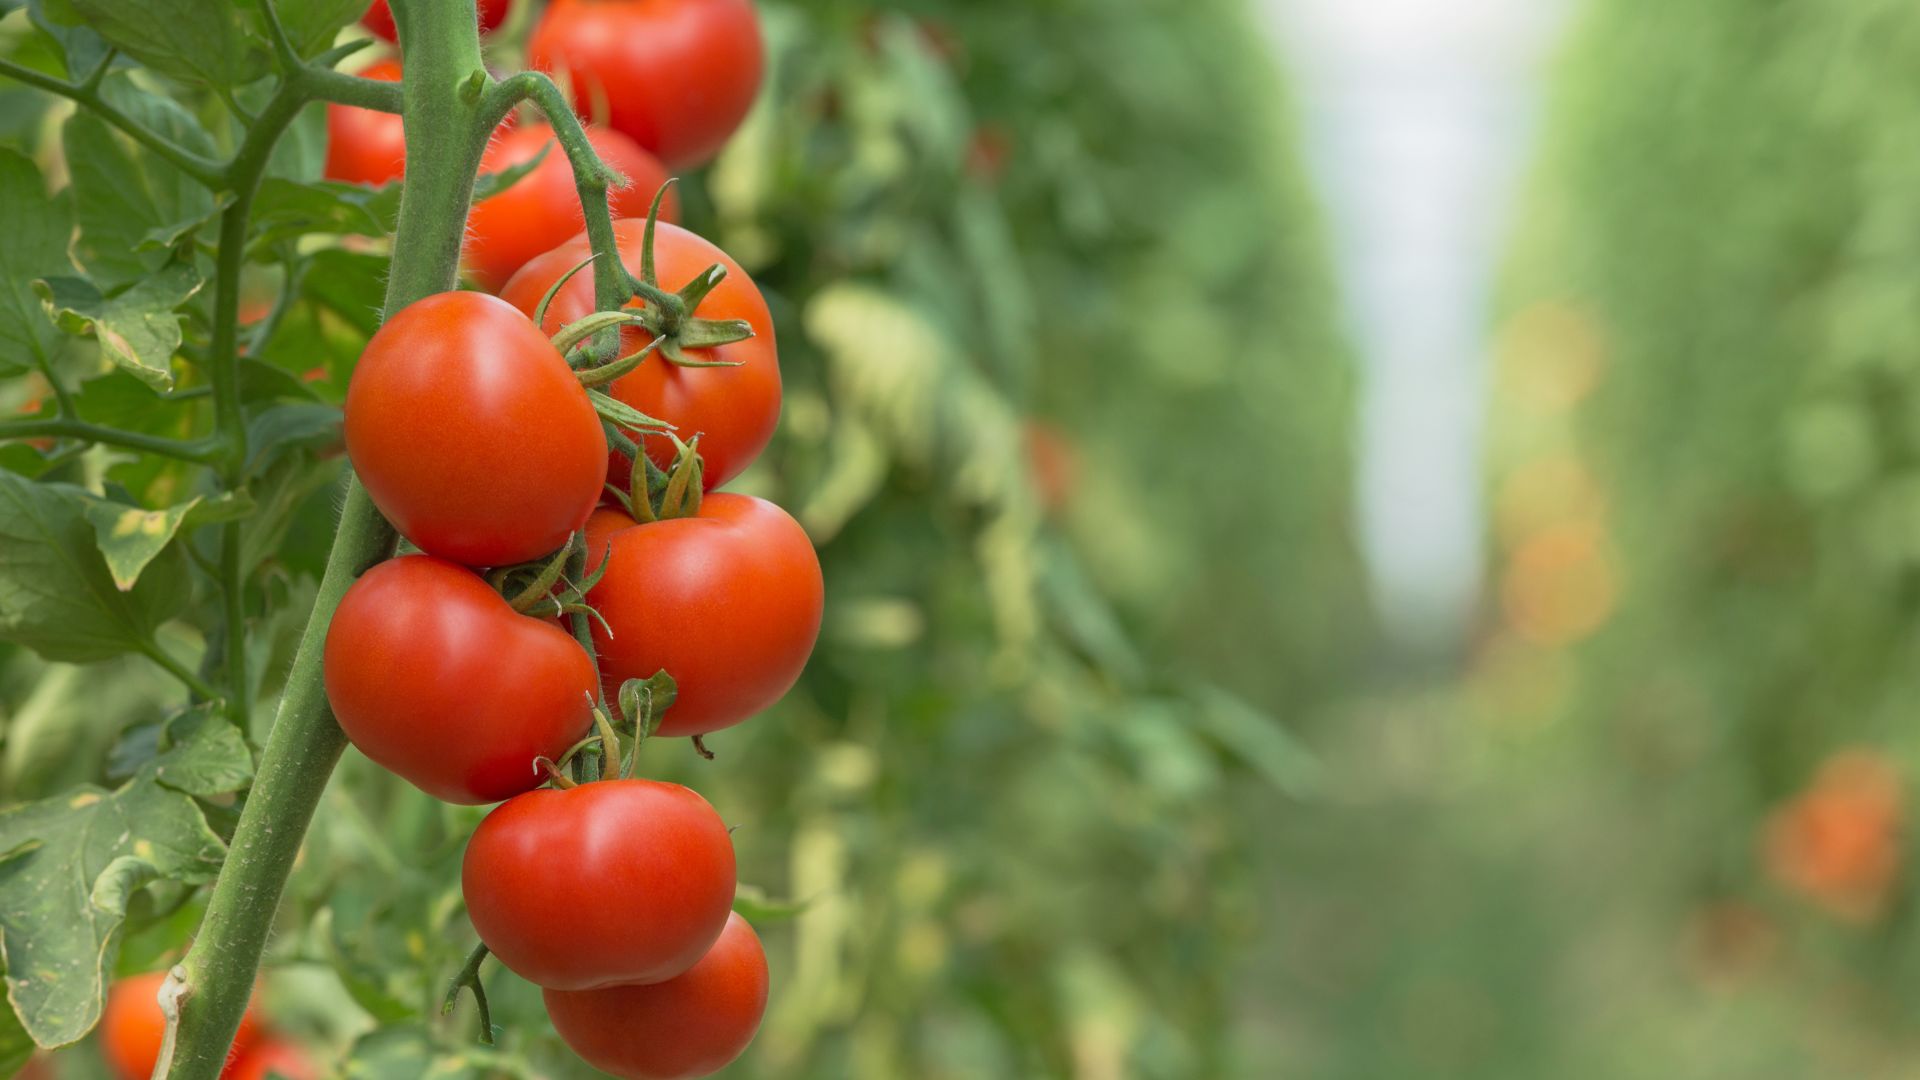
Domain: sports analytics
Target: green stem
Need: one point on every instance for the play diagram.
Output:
(178, 670)
(233, 590)
(210, 987)
(197, 450)
(203, 169)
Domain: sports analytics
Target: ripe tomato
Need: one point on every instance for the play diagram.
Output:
(437, 678)
(542, 208)
(379, 17)
(472, 434)
(271, 1057)
(365, 146)
(612, 882)
(132, 1026)
(728, 602)
(677, 75)
(694, 1025)
(734, 410)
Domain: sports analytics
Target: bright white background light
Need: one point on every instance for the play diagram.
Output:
(1418, 117)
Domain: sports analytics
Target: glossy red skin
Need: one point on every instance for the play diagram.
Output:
(471, 433)
(694, 1025)
(271, 1057)
(438, 679)
(365, 146)
(131, 1028)
(542, 209)
(379, 17)
(678, 76)
(608, 883)
(728, 603)
(734, 410)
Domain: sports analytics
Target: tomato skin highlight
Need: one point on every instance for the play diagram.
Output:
(471, 433)
(542, 209)
(735, 409)
(677, 76)
(727, 602)
(605, 884)
(132, 1027)
(437, 679)
(365, 146)
(379, 18)
(693, 1025)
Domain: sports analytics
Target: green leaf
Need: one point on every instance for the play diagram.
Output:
(16, 1046)
(71, 864)
(196, 40)
(314, 24)
(301, 153)
(494, 183)
(351, 284)
(124, 196)
(57, 596)
(281, 428)
(202, 754)
(139, 330)
(412, 1052)
(130, 537)
(36, 228)
(287, 210)
(82, 47)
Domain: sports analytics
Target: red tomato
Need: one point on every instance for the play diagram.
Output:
(542, 208)
(131, 1028)
(613, 882)
(727, 602)
(472, 434)
(677, 75)
(437, 678)
(365, 146)
(379, 17)
(270, 1058)
(694, 1025)
(734, 410)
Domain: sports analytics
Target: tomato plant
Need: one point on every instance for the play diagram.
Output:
(431, 422)
(379, 17)
(133, 1027)
(678, 76)
(694, 1024)
(605, 884)
(415, 675)
(728, 395)
(539, 211)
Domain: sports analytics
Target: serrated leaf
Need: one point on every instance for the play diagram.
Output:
(193, 40)
(57, 596)
(130, 537)
(36, 228)
(139, 330)
(201, 753)
(124, 194)
(82, 47)
(72, 863)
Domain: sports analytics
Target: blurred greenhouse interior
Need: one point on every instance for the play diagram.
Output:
(1364, 540)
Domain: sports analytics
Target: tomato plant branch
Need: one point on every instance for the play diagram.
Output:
(207, 992)
(592, 177)
(469, 978)
(178, 670)
(87, 93)
(195, 450)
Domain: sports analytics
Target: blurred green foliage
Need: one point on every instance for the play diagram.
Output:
(1636, 841)
(1068, 420)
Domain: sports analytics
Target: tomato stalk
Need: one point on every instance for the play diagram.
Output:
(207, 992)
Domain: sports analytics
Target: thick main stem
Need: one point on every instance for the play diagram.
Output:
(212, 984)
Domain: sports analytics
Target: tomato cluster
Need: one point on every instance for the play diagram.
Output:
(479, 427)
